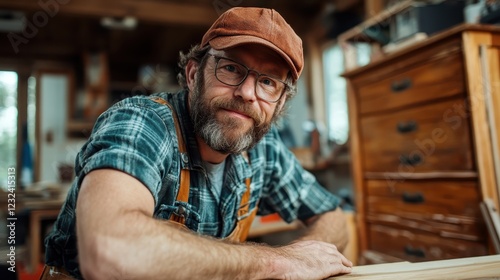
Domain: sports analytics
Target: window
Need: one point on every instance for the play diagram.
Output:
(336, 98)
(336, 90)
(31, 111)
(8, 123)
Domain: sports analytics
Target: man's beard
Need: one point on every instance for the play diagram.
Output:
(215, 133)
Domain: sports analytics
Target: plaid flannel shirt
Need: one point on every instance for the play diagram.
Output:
(137, 136)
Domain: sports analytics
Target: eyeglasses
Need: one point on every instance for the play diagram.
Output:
(233, 73)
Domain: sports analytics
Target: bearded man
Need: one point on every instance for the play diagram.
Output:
(167, 186)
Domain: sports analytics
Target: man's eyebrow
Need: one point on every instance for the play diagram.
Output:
(273, 71)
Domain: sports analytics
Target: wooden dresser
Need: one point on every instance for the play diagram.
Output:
(424, 145)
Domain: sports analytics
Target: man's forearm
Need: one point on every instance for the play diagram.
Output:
(118, 238)
(329, 227)
(154, 249)
(161, 251)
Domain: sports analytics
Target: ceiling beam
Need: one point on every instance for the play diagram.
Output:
(155, 11)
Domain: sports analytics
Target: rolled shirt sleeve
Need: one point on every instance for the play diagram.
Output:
(131, 137)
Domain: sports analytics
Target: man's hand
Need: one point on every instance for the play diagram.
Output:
(312, 260)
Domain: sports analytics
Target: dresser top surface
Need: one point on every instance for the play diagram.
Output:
(455, 32)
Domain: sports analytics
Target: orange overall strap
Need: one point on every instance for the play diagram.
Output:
(245, 204)
(245, 218)
(183, 194)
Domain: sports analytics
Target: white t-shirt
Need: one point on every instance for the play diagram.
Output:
(215, 175)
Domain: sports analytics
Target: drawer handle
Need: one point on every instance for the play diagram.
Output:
(415, 252)
(406, 127)
(402, 85)
(414, 198)
(411, 161)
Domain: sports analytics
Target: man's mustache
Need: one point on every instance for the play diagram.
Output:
(238, 106)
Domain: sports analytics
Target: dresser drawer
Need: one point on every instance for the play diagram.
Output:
(449, 208)
(414, 247)
(434, 137)
(439, 78)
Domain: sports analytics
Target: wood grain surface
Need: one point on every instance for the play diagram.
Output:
(484, 267)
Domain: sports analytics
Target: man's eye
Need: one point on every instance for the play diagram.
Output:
(231, 68)
(267, 82)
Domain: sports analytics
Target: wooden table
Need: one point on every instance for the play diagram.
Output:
(484, 267)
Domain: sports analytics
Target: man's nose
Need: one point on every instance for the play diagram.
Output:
(247, 89)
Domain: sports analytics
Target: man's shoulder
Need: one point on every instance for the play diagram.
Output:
(136, 113)
(145, 100)
(147, 104)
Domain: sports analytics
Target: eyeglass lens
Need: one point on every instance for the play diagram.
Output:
(233, 73)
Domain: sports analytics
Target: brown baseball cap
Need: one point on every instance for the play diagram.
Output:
(248, 25)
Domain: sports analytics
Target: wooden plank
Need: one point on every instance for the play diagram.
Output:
(476, 90)
(490, 56)
(145, 10)
(465, 268)
(357, 165)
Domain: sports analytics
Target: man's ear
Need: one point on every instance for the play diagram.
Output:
(191, 69)
(281, 102)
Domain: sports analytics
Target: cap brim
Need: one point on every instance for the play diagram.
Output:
(224, 42)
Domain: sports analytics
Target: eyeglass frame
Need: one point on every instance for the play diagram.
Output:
(218, 58)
